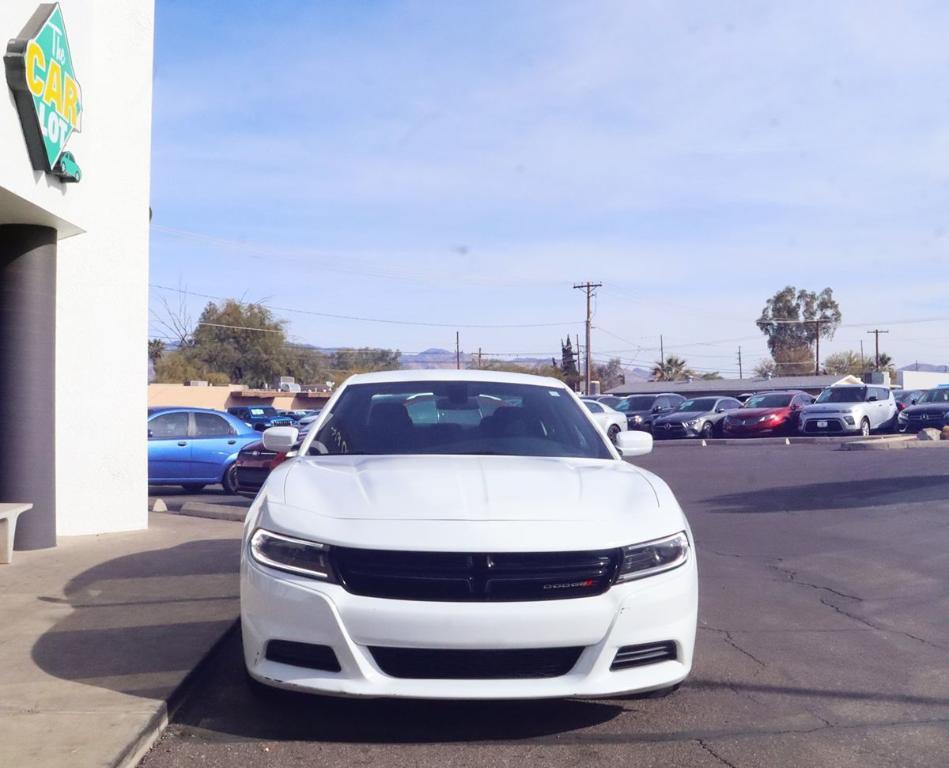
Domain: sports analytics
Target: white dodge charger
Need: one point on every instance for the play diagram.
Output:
(469, 535)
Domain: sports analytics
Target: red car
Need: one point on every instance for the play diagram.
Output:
(767, 413)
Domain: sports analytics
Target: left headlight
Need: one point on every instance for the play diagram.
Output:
(652, 557)
(285, 553)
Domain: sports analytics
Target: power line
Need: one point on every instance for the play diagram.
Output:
(359, 318)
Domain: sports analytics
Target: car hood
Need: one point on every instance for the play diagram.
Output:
(468, 503)
(682, 416)
(926, 408)
(751, 413)
(832, 408)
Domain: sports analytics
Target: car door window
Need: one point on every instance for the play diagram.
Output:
(211, 425)
(594, 407)
(662, 403)
(168, 426)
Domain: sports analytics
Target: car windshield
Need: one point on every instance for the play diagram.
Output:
(940, 395)
(768, 401)
(699, 404)
(461, 418)
(640, 403)
(261, 411)
(842, 395)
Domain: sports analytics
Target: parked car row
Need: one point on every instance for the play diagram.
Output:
(839, 410)
(195, 447)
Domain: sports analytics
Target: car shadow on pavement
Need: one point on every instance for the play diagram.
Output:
(142, 621)
(846, 494)
(224, 705)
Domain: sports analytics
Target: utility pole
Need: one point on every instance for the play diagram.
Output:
(817, 351)
(479, 358)
(876, 332)
(863, 364)
(662, 353)
(578, 355)
(740, 376)
(457, 350)
(588, 288)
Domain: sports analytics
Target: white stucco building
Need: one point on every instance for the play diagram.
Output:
(74, 263)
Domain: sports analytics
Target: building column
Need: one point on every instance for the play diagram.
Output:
(27, 379)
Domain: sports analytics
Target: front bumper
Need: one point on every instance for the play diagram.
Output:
(833, 425)
(281, 606)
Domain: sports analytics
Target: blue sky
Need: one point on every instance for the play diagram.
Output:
(465, 163)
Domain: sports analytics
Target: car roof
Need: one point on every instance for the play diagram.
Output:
(442, 374)
(783, 392)
(166, 408)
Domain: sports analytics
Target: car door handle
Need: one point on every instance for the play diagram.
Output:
(231, 442)
(182, 443)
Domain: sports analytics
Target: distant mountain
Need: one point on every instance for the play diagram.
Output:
(924, 367)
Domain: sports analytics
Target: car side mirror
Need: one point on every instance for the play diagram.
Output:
(280, 439)
(720, 409)
(633, 443)
(872, 399)
(150, 433)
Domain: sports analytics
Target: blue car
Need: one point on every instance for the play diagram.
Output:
(195, 447)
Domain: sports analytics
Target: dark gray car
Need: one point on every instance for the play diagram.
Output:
(640, 410)
(698, 417)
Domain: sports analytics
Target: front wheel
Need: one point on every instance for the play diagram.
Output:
(708, 430)
(865, 427)
(229, 481)
(612, 432)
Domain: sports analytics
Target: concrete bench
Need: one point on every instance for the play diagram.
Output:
(8, 517)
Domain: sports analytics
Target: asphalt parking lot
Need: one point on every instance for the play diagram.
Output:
(823, 641)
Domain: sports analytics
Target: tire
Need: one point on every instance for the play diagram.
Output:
(708, 430)
(229, 481)
(193, 487)
(865, 427)
(612, 432)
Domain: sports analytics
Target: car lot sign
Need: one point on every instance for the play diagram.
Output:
(40, 72)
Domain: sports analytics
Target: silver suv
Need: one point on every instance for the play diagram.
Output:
(856, 410)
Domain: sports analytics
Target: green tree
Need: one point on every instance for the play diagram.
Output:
(673, 368)
(156, 348)
(178, 367)
(244, 341)
(793, 320)
(609, 375)
(569, 371)
(844, 363)
(366, 359)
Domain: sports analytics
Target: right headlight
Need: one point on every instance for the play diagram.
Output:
(285, 553)
(652, 557)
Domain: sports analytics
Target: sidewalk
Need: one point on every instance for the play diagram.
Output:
(97, 634)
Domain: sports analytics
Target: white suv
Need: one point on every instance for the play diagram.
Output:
(850, 410)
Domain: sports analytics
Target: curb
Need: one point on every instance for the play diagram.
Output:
(895, 445)
(755, 441)
(148, 736)
(211, 511)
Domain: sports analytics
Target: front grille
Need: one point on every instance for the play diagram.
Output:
(303, 655)
(833, 425)
(639, 655)
(468, 577)
(457, 664)
(669, 429)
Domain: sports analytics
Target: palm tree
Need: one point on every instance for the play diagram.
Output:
(673, 368)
